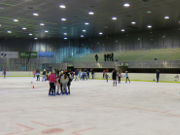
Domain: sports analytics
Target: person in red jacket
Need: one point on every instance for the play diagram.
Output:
(52, 80)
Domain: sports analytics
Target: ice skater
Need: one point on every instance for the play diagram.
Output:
(92, 73)
(119, 77)
(44, 75)
(38, 75)
(69, 83)
(4, 73)
(57, 85)
(114, 77)
(127, 76)
(107, 77)
(52, 80)
(157, 75)
(76, 75)
(52, 87)
(64, 81)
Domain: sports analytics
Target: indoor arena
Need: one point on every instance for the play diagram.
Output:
(94, 67)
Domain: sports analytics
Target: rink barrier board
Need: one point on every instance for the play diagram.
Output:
(145, 77)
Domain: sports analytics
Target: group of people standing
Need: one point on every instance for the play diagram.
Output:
(107, 57)
(59, 81)
(83, 74)
(116, 76)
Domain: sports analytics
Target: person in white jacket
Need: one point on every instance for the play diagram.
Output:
(64, 81)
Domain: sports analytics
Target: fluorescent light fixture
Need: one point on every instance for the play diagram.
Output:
(30, 34)
(114, 18)
(63, 19)
(91, 13)
(24, 28)
(46, 31)
(148, 12)
(83, 30)
(123, 30)
(82, 36)
(149, 26)
(35, 14)
(65, 34)
(15, 20)
(65, 38)
(35, 38)
(9, 31)
(126, 5)
(42, 24)
(133, 22)
(166, 17)
(62, 6)
(86, 23)
(100, 33)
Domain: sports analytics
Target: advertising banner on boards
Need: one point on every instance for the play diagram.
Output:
(45, 54)
(28, 54)
(9, 54)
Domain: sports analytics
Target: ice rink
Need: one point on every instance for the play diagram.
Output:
(93, 108)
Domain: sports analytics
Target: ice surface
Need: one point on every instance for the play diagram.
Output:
(93, 108)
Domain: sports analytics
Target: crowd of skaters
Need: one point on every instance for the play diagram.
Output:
(60, 80)
(116, 76)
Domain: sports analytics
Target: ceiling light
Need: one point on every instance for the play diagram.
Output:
(9, 31)
(35, 14)
(65, 34)
(126, 5)
(30, 34)
(123, 30)
(149, 26)
(133, 23)
(35, 38)
(24, 28)
(148, 12)
(166, 17)
(63, 19)
(46, 31)
(15, 20)
(82, 36)
(42, 24)
(86, 23)
(65, 38)
(83, 30)
(114, 18)
(100, 33)
(91, 13)
(62, 6)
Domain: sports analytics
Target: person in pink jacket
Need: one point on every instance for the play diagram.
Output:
(52, 80)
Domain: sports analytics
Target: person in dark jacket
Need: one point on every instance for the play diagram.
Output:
(157, 75)
(112, 57)
(114, 77)
(105, 57)
(96, 58)
(69, 75)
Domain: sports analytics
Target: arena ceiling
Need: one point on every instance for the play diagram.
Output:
(17, 19)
